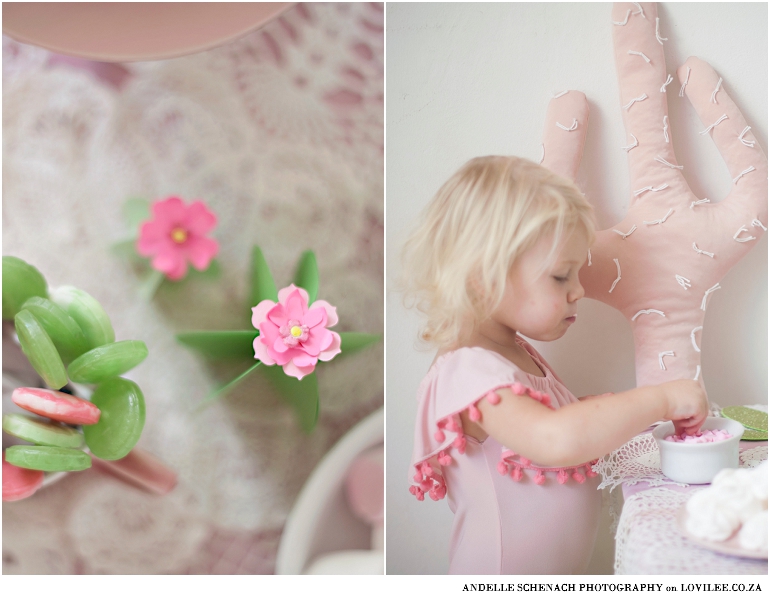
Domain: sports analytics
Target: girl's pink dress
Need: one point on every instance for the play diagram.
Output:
(511, 516)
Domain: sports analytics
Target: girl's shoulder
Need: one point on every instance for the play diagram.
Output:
(468, 358)
(473, 371)
(473, 361)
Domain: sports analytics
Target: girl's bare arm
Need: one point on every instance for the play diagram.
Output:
(586, 430)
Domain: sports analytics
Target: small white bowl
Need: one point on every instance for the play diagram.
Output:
(698, 463)
(321, 521)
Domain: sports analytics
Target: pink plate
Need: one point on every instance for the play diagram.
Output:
(730, 546)
(131, 31)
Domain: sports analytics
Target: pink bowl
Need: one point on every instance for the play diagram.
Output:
(131, 31)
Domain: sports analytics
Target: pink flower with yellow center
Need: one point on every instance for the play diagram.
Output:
(293, 334)
(176, 236)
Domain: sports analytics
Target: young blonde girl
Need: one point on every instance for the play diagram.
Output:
(495, 258)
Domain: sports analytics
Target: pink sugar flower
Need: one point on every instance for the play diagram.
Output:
(293, 335)
(177, 235)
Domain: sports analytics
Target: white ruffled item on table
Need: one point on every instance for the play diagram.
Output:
(737, 498)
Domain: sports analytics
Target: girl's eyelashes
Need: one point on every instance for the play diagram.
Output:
(561, 278)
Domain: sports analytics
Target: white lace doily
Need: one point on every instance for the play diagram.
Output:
(638, 460)
(649, 542)
(281, 133)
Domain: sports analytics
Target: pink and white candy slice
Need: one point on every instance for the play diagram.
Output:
(18, 482)
(56, 405)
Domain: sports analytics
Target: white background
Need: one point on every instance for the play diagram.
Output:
(474, 79)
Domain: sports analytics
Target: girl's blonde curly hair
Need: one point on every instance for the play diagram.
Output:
(492, 210)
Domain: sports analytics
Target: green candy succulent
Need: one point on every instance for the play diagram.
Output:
(107, 361)
(40, 350)
(20, 282)
(68, 327)
(41, 432)
(88, 313)
(47, 458)
(65, 333)
(120, 425)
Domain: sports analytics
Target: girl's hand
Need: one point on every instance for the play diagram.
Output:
(687, 405)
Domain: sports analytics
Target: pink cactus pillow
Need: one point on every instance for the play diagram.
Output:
(661, 264)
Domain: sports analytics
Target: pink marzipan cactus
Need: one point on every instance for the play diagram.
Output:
(177, 235)
(293, 335)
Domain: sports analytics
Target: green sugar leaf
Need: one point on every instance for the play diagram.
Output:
(149, 283)
(302, 395)
(226, 388)
(127, 250)
(136, 210)
(355, 341)
(262, 283)
(306, 276)
(221, 344)
(213, 271)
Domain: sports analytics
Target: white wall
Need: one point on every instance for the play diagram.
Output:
(475, 79)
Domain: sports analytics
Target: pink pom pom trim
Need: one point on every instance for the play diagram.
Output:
(510, 464)
(429, 481)
(453, 426)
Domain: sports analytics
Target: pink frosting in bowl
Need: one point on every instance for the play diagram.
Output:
(706, 453)
(700, 437)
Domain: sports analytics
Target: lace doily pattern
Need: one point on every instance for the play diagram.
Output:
(753, 456)
(636, 461)
(281, 132)
(639, 461)
(649, 542)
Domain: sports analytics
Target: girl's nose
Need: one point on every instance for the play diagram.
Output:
(577, 293)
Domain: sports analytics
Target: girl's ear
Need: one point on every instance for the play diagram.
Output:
(477, 294)
(481, 296)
